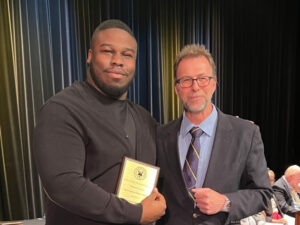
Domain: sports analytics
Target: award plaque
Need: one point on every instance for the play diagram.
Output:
(136, 180)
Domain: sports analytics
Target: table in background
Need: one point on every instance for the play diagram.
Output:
(34, 222)
(297, 221)
(39, 221)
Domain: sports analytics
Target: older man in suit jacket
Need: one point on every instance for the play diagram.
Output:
(287, 190)
(231, 180)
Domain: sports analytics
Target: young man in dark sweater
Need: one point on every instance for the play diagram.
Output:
(83, 133)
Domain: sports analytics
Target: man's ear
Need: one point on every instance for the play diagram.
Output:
(176, 89)
(215, 84)
(90, 56)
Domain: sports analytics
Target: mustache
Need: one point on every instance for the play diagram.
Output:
(196, 95)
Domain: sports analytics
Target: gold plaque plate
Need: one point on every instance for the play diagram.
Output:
(136, 180)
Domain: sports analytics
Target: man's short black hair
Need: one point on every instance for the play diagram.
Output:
(112, 23)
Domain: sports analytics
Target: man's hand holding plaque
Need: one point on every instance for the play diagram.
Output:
(154, 207)
(137, 184)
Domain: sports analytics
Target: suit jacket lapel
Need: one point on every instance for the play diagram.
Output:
(287, 188)
(171, 151)
(222, 141)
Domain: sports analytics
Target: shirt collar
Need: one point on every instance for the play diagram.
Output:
(206, 125)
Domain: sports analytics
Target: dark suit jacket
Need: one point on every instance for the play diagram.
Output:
(284, 197)
(237, 168)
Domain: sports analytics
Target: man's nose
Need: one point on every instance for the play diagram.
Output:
(117, 59)
(195, 85)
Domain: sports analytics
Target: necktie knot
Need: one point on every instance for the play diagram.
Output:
(196, 132)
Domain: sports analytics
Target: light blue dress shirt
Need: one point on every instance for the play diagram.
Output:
(208, 127)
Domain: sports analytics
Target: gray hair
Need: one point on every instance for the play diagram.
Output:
(270, 171)
(292, 170)
(194, 50)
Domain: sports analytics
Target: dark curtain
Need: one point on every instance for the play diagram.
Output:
(44, 45)
(258, 72)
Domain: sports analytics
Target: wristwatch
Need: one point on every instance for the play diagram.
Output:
(227, 205)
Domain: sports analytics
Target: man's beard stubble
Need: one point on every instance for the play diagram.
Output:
(111, 91)
(191, 109)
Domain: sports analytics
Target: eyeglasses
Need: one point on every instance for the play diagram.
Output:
(187, 82)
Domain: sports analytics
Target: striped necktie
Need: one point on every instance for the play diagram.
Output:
(192, 159)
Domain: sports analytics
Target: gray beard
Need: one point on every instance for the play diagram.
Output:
(187, 108)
